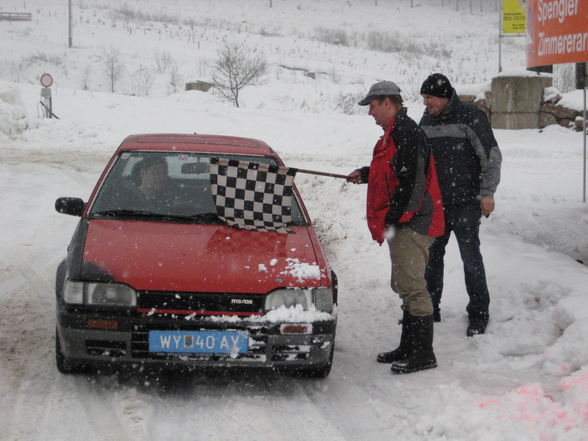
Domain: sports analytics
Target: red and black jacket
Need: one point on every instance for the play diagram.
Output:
(402, 182)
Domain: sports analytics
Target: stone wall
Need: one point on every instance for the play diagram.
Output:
(553, 113)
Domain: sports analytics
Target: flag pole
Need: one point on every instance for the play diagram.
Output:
(313, 172)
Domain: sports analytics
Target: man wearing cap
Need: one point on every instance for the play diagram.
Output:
(404, 208)
(468, 164)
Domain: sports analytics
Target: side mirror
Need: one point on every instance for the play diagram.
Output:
(72, 206)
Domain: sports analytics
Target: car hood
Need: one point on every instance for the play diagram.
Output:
(164, 256)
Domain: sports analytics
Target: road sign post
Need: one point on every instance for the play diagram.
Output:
(46, 99)
(557, 34)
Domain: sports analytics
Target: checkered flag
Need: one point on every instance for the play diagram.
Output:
(252, 196)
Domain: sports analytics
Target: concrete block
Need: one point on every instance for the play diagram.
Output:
(506, 120)
(518, 94)
(202, 86)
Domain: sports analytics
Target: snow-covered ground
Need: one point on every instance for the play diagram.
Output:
(526, 379)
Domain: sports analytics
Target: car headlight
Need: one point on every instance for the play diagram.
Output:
(73, 292)
(99, 294)
(321, 298)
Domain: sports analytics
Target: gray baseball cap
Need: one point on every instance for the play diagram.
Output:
(383, 88)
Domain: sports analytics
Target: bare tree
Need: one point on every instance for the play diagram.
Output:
(174, 77)
(162, 61)
(193, 30)
(142, 81)
(113, 66)
(235, 68)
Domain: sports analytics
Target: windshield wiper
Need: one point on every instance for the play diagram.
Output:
(200, 218)
(121, 212)
(204, 218)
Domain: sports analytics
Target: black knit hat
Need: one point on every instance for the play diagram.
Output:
(437, 85)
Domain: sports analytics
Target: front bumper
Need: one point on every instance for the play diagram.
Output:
(128, 344)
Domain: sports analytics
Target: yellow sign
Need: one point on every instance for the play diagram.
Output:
(513, 17)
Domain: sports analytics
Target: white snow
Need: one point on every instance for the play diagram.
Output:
(294, 314)
(13, 117)
(551, 94)
(526, 379)
(521, 72)
(573, 100)
(301, 270)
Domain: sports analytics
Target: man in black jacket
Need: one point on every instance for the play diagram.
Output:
(468, 165)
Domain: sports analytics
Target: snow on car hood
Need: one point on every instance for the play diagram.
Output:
(164, 256)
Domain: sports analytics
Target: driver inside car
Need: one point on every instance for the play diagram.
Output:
(151, 178)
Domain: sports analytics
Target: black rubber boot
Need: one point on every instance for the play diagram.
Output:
(477, 326)
(422, 356)
(436, 313)
(402, 351)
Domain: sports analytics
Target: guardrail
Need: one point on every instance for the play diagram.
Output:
(16, 16)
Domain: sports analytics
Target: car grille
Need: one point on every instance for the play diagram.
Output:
(211, 302)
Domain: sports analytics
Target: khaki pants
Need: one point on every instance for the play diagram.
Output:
(409, 252)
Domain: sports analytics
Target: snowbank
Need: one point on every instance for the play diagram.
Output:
(13, 117)
(573, 100)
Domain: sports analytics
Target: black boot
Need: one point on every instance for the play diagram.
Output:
(401, 352)
(477, 326)
(421, 356)
(436, 313)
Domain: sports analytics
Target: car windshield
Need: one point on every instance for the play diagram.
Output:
(172, 186)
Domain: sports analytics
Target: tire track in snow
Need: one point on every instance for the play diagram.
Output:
(112, 412)
(260, 406)
(27, 348)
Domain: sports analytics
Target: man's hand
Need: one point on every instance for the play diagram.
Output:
(355, 177)
(487, 205)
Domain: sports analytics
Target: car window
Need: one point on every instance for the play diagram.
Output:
(166, 183)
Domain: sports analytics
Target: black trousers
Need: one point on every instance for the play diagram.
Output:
(464, 221)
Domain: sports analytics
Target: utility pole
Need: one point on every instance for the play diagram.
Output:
(584, 116)
(500, 39)
(70, 24)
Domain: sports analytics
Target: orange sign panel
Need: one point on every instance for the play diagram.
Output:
(557, 31)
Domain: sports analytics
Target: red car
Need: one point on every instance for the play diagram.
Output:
(152, 275)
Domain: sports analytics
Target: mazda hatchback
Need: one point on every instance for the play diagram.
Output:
(153, 276)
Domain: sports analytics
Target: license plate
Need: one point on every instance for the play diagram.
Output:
(199, 342)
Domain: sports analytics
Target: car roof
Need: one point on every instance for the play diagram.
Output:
(196, 143)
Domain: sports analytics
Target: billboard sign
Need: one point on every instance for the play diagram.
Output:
(557, 32)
